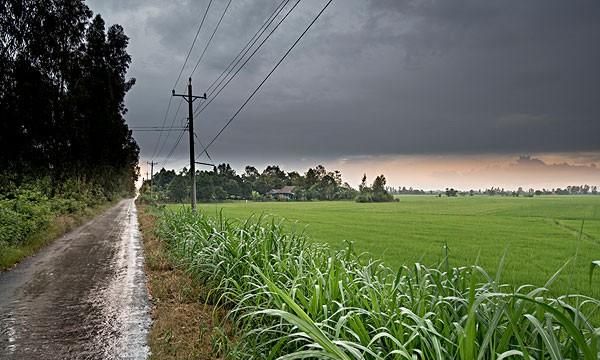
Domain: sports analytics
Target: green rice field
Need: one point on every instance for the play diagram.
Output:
(538, 235)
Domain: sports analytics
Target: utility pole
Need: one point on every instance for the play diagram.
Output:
(190, 100)
(151, 163)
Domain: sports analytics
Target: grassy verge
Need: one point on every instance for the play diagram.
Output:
(183, 325)
(291, 298)
(12, 254)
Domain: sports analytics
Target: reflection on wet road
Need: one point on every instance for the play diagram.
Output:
(82, 297)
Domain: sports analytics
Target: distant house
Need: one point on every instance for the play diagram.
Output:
(285, 193)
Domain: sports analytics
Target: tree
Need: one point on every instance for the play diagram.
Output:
(226, 171)
(380, 194)
(223, 183)
(327, 187)
(251, 174)
(451, 192)
(295, 178)
(62, 90)
(273, 177)
(363, 183)
(311, 178)
(376, 193)
(379, 184)
(178, 189)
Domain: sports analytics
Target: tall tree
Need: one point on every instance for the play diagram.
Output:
(62, 90)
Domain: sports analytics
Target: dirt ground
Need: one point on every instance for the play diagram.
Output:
(183, 326)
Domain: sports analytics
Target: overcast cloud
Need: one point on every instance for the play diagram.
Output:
(376, 78)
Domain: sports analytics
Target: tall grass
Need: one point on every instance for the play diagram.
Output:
(292, 299)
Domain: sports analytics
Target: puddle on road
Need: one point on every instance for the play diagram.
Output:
(124, 302)
(10, 332)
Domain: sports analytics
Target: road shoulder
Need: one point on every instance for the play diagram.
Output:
(183, 326)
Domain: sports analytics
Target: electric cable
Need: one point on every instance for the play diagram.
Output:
(201, 108)
(211, 37)
(267, 77)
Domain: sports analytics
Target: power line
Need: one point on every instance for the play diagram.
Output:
(193, 43)
(205, 151)
(211, 37)
(172, 125)
(155, 153)
(164, 122)
(268, 75)
(157, 129)
(268, 21)
(200, 109)
(235, 61)
(150, 127)
(168, 158)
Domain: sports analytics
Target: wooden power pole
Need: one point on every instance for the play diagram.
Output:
(151, 163)
(190, 100)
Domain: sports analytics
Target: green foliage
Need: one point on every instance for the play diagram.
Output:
(451, 192)
(222, 183)
(364, 197)
(62, 89)
(294, 299)
(27, 212)
(27, 209)
(147, 198)
(376, 193)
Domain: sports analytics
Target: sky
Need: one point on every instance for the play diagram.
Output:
(431, 93)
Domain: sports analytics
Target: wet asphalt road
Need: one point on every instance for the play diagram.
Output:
(82, 297)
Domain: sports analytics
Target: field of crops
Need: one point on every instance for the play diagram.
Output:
(539, 235)
(289, 298)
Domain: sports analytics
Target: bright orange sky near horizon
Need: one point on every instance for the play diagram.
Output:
(431, 172)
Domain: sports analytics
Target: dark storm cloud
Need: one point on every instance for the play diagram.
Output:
(380, 77)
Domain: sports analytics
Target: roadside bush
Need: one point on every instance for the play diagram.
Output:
(11, 224)
(79, 194)
(29, 207)
(66, 206)
(147, 198)
(22, 215)
(294, 299)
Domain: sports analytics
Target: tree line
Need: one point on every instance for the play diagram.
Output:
(62, 89)
(497, 191)
(318, 183)
(223, 183)
(569, 190)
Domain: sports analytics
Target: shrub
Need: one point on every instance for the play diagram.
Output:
(29, 207)
(364, 197)
(382, 197)
(148, 198)
(22, 215)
